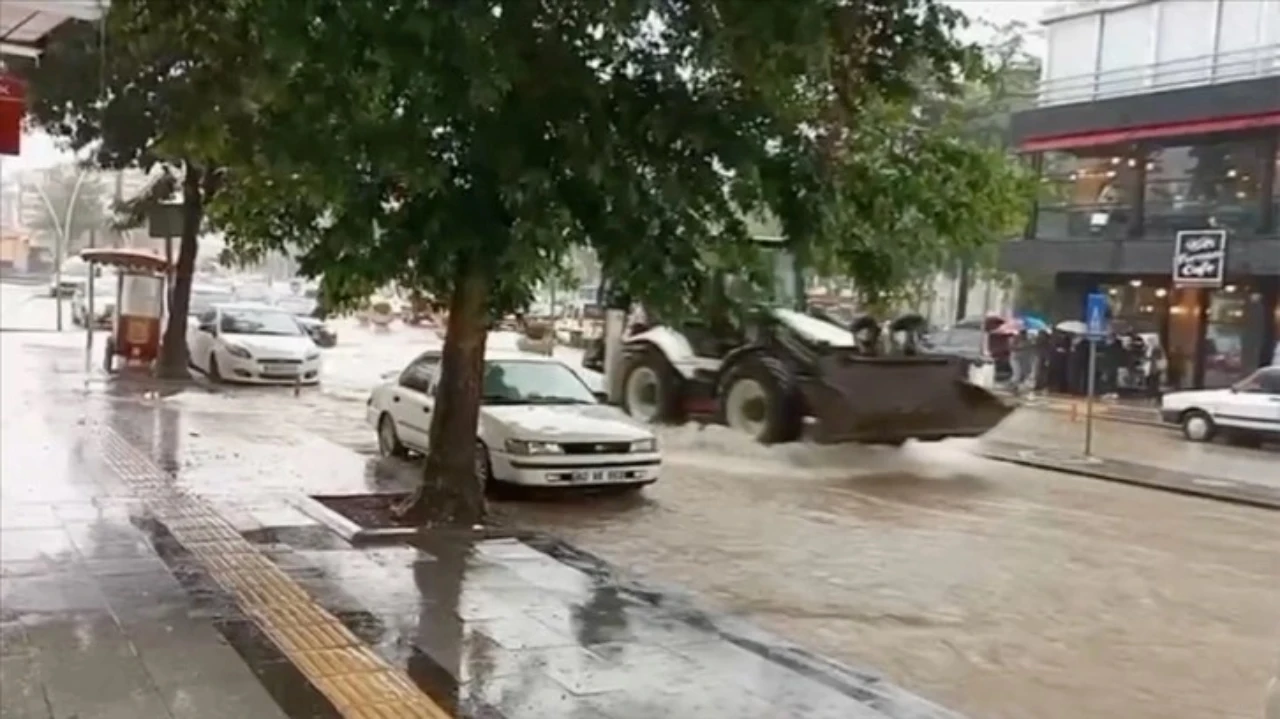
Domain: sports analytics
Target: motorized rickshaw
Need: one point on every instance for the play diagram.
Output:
(141, 292)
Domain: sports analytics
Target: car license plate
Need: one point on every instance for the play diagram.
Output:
(599, 475)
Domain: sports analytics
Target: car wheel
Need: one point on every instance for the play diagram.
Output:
(214, 373)
(389, 444)
(1198, 426)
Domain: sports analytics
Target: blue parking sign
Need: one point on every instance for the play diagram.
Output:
(1095, 314)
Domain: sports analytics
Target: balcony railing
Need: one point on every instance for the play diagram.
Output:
(1187, 72)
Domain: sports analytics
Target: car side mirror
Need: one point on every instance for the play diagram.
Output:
(601, 397)
(206, 327)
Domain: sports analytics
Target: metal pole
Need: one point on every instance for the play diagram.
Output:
(1088, 400)
(63, 231)
(90, 316)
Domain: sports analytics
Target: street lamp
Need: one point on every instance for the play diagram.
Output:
(62, 228)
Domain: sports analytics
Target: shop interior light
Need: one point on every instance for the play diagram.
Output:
(1230, 288)
(1161, 292)
(1135, 283)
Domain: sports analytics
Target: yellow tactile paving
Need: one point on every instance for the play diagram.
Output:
(359, 683)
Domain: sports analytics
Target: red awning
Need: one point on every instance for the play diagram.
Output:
(126, 259)
(1150, 132)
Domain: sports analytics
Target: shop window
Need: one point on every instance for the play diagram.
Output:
(1086, 193)
(1137, 307)
(1194, 187)
(1225, 336)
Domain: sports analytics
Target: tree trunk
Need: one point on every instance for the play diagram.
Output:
(173, 352)
(451, 492)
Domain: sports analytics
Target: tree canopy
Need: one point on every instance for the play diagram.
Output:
(466, 149)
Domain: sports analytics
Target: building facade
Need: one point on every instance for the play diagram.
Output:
(1152, 119)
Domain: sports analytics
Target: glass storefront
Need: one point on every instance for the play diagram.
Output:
(1226, 328)
(1093, 193)
(1087, 194)
(1217, 184)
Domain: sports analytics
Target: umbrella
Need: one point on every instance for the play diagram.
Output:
(1073, 327)
(1031, 323)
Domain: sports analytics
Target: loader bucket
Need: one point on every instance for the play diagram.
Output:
(888, 400)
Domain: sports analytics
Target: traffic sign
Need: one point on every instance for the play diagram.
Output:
(1095, 314)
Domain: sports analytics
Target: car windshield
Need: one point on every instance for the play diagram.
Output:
(259, 322)
(533, 382)
(1266, 379)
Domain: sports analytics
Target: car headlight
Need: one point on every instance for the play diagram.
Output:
(645, 445)
(520, 446)
(238, 351)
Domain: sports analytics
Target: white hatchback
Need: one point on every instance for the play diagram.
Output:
(540, 424)
(252, 343)
(1250, 408)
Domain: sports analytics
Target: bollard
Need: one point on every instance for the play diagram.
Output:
(1075, 411)
(297, 386)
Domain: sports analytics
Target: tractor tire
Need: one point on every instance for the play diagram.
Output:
(766, 380)
(649, 372)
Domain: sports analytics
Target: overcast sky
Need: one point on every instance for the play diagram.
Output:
(39, 150)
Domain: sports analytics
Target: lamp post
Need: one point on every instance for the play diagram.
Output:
(62, 228)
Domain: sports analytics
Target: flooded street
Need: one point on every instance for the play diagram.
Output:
(995, 590)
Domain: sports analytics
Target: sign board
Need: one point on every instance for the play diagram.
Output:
(164, 221)
(1095, 314)
(1200, 258)
(13, 105)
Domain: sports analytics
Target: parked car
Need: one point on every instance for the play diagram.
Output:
(104, 302)
(73, 276)
(540, 424)
(306, 311)
(252, 343)
(1248, 410)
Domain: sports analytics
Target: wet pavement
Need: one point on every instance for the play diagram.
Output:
(1263, 492)
(995, 590)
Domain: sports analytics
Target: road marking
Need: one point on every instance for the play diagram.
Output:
(352, 676)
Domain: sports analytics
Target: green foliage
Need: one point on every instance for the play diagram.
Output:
(399, 141)
(85, 205)
(911, 198)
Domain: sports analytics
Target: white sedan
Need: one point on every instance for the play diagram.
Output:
(252, 343)
(540, 424)
(1250, 409)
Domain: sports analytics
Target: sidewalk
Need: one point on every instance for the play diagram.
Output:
(1144, 475)
(153, 565)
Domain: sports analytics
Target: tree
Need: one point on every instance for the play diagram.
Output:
(68, 193)
(465, 149)
(137, 91)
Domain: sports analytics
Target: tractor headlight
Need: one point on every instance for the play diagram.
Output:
(238, 351)
(520, 446)
(645, 445)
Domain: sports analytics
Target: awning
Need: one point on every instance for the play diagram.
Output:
(24, 24)
(1151, 132)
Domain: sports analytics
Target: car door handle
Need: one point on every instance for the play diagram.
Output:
(395, 398)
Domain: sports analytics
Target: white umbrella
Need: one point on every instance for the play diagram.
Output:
(1074, 327)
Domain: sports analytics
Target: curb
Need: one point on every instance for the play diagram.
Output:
(1223, 490)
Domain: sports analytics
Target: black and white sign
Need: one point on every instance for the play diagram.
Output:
(1200, 258)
